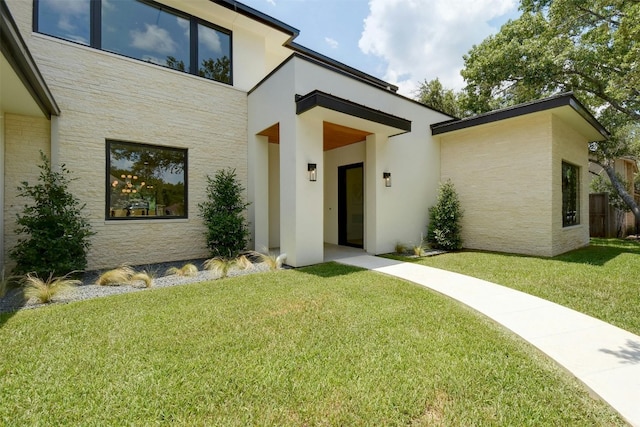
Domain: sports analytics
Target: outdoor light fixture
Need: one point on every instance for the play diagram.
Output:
(313, 171)
(387, 178)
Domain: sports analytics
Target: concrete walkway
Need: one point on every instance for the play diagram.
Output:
(605, 358)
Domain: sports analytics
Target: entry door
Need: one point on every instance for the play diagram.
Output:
(351, 205)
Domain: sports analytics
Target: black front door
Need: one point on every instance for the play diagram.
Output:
(351, 205)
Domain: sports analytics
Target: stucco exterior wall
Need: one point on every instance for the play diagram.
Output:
(571, 147)
(391, 214)
(354, 153)
(412, 158)
(24, 138)
(503, 172)
(105, 96)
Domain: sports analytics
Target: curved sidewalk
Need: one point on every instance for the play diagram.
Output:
(605, 358)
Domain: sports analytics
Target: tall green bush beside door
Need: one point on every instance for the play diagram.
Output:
(444, 230)
(223, 214)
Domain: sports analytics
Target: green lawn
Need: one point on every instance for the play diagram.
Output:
(327, 345)
(602, 280)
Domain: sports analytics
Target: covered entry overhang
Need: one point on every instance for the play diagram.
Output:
(293, 210)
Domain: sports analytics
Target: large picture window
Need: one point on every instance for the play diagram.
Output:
(140, 29)
(145, 181)
(570, 195)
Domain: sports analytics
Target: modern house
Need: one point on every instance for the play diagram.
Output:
(143, 99)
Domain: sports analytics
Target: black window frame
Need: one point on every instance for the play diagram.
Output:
(95, 35)
(108, 183)
(570, 217)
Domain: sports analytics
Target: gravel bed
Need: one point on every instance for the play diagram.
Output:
(14, 299)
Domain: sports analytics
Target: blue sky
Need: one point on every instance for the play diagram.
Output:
(403, 42)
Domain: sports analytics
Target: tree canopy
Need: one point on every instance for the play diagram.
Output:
(434, 95)
(589, 47)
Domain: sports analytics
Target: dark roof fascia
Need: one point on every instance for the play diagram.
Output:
(561, 100)
(256, 15)
(337, 64)
(344, 73)
(15, 50)
(320, 99)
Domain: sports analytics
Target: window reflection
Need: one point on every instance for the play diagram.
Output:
(67, 19)
(214, 56)
(146, 32)
(142, 30)
(570, 195)
(146, 181)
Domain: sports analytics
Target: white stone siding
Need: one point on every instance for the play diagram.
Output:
(502, 174)
(24, 138)
(571, 147)
(105, 96)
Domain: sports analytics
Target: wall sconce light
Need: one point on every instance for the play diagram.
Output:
(386, 176)
(312, 168)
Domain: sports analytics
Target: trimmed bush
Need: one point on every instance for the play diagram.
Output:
(444, 228)
(57, 232)
(223, 214)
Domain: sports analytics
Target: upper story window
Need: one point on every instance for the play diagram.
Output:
(140, 29)
(570, 195)
(69, 20)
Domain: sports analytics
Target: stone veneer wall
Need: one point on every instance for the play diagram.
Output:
(105, 96)
(502, 172)
(25, 137)
(569, 146)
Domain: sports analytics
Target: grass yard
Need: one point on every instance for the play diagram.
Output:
(602, 280)
(325, 345)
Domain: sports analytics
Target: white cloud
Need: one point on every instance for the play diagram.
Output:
(271, 2)
(72, 7)
(425, 39)
(155, 39)
(333, 44)
(210, 39)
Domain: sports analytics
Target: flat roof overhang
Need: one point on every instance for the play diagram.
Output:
(21, 85)
(370, 118)
(564, 105)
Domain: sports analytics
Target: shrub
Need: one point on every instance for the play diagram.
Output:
(269, 259)
(118, 276)
(186, 270)
(219, 266)
(142, 277)
(444, 228)
(45, 290)
(4, 284)
(223, 214)
(58, 233)
(123, 275)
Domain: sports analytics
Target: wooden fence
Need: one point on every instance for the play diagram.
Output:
(601, 216)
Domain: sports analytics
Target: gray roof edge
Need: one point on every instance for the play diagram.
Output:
(559, 100)
(15, 50)
(256, 15)
(353, 71)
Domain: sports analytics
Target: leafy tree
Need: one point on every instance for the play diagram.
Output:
(223, 214)
(434, 95)
(444, 230)
(589, 47)
(173, 62)
(57, 232)
(219, 70)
